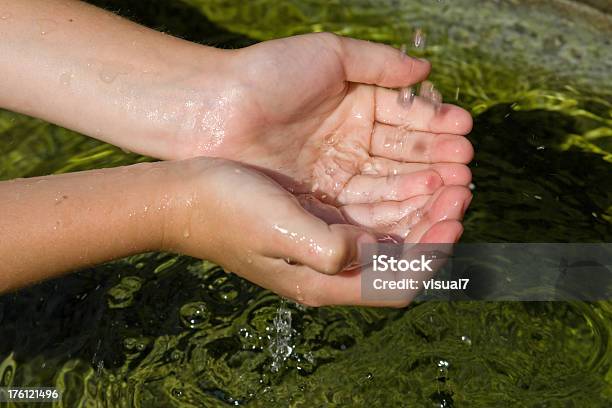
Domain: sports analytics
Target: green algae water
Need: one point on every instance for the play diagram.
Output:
(159, 330)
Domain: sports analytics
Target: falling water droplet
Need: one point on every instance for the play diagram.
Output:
(5, 16)
(280, 347)
(419, 39)
(466, 340)
(186, 233)
(405, 97)
(428, 91)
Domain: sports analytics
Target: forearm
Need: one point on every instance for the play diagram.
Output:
(89, 70)
(50, 225)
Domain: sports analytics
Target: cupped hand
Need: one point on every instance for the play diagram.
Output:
(315, 112)
(297, 247)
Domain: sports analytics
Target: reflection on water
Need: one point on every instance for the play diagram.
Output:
(164, 330)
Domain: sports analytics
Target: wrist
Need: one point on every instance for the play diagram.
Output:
(187, 200)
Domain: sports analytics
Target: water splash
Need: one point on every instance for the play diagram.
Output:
(280, 339)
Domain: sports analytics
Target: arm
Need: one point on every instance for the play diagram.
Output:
(207, 208)
(314, 111)
(50, 225)
(89, 70)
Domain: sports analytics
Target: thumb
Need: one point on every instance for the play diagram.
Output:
(308, 240)
(378, 64)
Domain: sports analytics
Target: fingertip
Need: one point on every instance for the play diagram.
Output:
(414, 70)
(452, 148)
(454, 173)
(448, 203)
(455, 120)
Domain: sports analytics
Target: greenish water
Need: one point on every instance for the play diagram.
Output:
(164, 330)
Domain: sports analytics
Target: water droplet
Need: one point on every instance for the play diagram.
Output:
(186, 233)
(472, 186)
(331, 139)
(108, 75)
(537, 197)
(419, 39)
(122, 294)
(540, 147)
(466, 340)
(65, 78)
(280, 229)
(194, 315)
(5, 16)
(387, 239)
(405, 97)
(443, 364)
(46, 26)
(428, 91)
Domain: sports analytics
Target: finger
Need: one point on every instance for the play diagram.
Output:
(369, 189)
(447, 231)
(326, 212)
(378, 64)
(421, 115)
(451, 173)
(416, 146)
(382, 216)
(303, 238)
(448, 203)
(345, 288)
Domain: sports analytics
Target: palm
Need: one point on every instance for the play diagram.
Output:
(312, 117)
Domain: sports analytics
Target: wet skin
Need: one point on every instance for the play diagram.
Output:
(314, 113)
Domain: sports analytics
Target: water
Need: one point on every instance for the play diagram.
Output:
(178, 331)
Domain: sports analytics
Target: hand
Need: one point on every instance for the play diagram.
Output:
(306, 111)
(249, 224)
